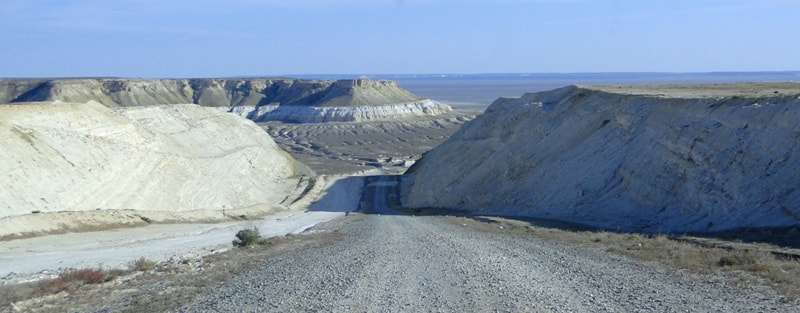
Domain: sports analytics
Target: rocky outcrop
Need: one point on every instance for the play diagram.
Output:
(315, 114)
(660, 158)
(176, 158)
(342, 100)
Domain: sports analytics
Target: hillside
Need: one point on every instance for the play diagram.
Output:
(84, 159)
(654, 158)
(261, 99)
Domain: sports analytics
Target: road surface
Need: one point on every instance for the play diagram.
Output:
(389, 262)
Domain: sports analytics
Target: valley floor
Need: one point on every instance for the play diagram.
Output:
(344, 147)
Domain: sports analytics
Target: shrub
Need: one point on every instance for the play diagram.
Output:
(142, 265)
(86, 276)
(72, 279)
(52, 286)
(736, 259)
(247, 237)
(17, 292)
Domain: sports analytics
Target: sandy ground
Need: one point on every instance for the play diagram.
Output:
(40, 257)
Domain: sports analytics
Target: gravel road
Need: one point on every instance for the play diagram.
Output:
(401, 263)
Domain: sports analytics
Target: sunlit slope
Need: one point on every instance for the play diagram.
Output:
(260, 99)
(658, 158)
(80, 157)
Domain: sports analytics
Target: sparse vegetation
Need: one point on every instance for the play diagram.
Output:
(24, 134)
(142, 265)
(738, 259)
(247, 237)
(72, 279)
(783, 273)
(69, 281)
(180, 281)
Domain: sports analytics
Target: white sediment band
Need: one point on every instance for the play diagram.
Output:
(311, 114)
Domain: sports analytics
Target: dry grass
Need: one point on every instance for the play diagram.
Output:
(69, 281)
(751, 265)
(142, 265)
(180, 286)
(72, 279)
(147, 286)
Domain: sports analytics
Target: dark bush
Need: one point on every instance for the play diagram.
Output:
(737, 259)
(247, 237)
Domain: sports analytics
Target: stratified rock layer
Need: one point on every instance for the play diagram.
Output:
(314, 114)
(669, 158)
(262, 99)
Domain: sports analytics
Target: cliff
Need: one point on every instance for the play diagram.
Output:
(652, 158)
(248, 97)
(314, 114)
(60, 157)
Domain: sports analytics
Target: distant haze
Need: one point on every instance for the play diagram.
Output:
(482, 89)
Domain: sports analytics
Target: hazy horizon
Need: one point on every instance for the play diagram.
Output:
(783, 73)
(213, 38)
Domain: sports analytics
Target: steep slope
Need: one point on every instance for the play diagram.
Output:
(262, 99)
(314, 114)
(125, 92)
(359, 93)
(655, 158)
(177, 158)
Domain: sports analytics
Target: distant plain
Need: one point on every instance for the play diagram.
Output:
(480, 90)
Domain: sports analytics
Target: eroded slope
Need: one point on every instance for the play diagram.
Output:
(654, 159)
(344, 147)
(177, 158)
(260, 99)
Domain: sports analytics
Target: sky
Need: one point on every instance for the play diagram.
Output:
(224, 38)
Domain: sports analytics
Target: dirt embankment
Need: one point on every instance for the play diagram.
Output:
(670, 158)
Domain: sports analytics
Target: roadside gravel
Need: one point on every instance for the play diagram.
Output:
(396, 263)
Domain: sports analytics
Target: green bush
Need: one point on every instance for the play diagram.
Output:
(247, 237)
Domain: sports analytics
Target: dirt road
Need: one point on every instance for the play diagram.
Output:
(399, 263)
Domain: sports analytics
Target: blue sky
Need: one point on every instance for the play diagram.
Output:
(213, 38)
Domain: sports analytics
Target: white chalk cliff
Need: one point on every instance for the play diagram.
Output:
(685, 158)
(315, 114)
(86, 157)
(260, 99)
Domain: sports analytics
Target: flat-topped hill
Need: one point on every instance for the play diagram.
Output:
(656, 158)
(262, 99)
